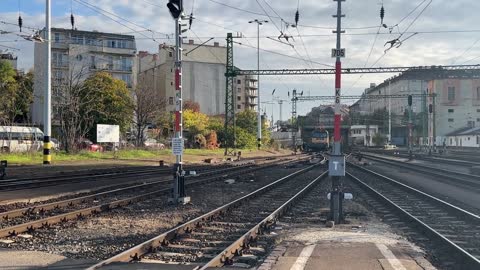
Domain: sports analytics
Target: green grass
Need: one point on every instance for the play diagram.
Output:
(62, 157)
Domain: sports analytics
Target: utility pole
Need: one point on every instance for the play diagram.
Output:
(47, 123)
(294, 121)
(259, 114)
(389, 113)
(410, 126)
(178, 196)
(337, 159)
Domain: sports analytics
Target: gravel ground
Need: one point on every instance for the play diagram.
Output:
(114, 231)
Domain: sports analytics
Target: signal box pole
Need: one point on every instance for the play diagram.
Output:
(336, 164)
(178, 196)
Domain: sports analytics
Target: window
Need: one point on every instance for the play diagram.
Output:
(77, 39)
(471, 124)
(239, 81)
(111, 43)
(451, 93)
(127, 79)
(451, 141)
(239, 98)
(469, 138)
(450, 110)
(90, 41)
(478, 93)
(92, 62)
(478, 110)
(170, 100)
(170, 54)
(57, 37)
(171, 83)
(239, 89)
(450, 119)
(239, 107)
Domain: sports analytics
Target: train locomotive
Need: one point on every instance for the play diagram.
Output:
(318, 141)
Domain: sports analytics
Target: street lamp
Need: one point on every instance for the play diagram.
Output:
(259, 115)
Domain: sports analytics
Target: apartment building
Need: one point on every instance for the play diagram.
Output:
(9, 57)
(456, 104)
(78, 54)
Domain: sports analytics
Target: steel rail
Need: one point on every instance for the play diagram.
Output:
(137, 252)
(423, 156)
(468, 259)
(442, 173)
(244, 241)
(45, 222)
(73, 201)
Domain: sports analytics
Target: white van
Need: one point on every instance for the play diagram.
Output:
(20, 139)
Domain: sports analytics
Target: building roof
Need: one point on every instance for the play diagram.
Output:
(427, 74)
(94, 32)
(465, 131)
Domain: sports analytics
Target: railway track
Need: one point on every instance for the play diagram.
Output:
(44, 215)
(455, 231)
(220, 237)
(22, 183)
(451, 177)
(445, 159)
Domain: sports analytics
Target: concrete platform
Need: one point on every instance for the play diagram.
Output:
(345, 247)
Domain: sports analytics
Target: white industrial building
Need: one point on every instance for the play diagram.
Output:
(203, 76)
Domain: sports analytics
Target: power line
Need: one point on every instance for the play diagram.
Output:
(96, 9)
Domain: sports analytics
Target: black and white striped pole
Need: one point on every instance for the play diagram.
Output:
(47, 123)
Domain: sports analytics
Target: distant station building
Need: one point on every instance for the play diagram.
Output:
(362, 135)
(465, 137)
(203, 77)
(75, 56)
(456, 103)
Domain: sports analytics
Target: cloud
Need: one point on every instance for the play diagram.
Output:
(421, 49)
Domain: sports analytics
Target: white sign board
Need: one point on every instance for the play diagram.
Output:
(108, 133)
(177, 146)
(338, 53)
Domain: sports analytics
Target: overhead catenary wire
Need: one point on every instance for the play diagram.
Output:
(99, 10)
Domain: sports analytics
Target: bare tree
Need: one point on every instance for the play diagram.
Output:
(148, 106)
(73, 109)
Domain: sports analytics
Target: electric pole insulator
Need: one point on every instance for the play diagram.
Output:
(20, 22)
(175, 7)
(72, 21)
(297, 17)
(382, 13)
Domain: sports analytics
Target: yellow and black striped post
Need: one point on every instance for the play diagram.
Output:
(47, 145)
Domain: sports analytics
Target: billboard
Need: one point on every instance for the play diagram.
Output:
(108, 133)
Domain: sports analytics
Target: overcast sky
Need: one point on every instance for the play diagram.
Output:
(438, 42)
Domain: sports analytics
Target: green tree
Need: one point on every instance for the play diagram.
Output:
(247, 120)
(379, 139)
(23, 97)
(8, 91)
(195, 122)
(114, 104)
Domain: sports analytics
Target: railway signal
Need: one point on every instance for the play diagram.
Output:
(178, 196)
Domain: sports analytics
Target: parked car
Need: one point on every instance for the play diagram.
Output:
(389, 147)
(88, 145)
(152, 143)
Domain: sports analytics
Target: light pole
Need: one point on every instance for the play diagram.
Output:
(259, 114)
(47, 123)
